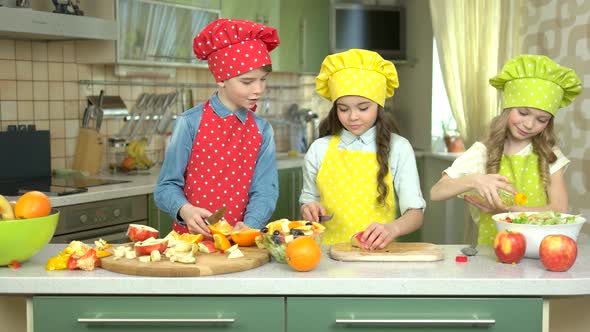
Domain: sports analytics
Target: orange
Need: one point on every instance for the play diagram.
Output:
(33, 204)
(221, 242)
(520, 198)
(245, 237)
(190, 238)
(221, 227)
(295, 224)
(303, 253)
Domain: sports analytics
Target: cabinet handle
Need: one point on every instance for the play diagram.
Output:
(114, 321)
(417, 322)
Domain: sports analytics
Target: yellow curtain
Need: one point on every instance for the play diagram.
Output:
(474, 39)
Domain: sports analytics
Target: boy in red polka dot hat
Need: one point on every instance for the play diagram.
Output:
(221, 152)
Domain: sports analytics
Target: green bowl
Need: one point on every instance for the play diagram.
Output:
(22, 238)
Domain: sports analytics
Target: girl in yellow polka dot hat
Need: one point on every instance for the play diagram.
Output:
(359, 165)
(520, 154)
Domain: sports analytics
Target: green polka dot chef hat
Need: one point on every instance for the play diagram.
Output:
(538, 82)
(356, 73)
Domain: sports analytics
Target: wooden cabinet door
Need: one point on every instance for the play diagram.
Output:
(157, 313)
(414, 314)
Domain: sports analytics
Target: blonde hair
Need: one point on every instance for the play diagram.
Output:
(542, 145)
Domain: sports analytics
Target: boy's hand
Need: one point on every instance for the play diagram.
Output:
(312, 211)
(193, 217)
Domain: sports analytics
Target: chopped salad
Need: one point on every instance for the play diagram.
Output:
(541, 218)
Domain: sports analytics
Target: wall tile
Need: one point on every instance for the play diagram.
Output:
(58, 163)
(39, 51)
(7, 69)
(56, 110)
(56, 90)
(23, 50)
(42, 124)
(40, 71)
(70, 72)
(69, 51)
(24, 90)
(55, 51)
(56, 71)
(7, 49)
(98, 72)
(71, 146)
(41, 109)
(71, 128)
(25, 110)
(84, 72)
(57, 129)
(24, 70)
(70, 91)
(7, 90)
(40, 91)
(8, 110)
(71, 109)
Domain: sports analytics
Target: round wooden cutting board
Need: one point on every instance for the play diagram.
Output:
(205, 265)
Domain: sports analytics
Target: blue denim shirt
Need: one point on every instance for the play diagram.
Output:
(263, 193)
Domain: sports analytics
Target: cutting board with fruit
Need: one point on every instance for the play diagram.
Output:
(393, 252)
(205, 264)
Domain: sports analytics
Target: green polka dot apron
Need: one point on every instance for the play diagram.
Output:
(348, 187)
(523, 171)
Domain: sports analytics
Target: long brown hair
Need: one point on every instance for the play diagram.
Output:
(542, 145)
(385, 125)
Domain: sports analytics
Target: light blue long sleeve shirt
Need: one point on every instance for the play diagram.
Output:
(263, 194)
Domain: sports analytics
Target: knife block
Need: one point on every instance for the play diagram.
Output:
(88, 155)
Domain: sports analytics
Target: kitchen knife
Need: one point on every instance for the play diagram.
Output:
(216, 216)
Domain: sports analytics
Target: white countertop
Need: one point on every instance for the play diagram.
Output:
(480, 276)
(141, 184)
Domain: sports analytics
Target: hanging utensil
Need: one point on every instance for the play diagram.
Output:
(99, 112)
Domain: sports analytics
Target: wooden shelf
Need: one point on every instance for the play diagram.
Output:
(18, 23)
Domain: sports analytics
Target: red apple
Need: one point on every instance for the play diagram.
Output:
(146, 247)
(137, 232)
(206, 247)
(558, 252)
(509, 246)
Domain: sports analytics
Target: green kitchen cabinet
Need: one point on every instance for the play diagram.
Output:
(158, 219)
(290, 184)
(165, 313)
(306, 314)
(303, 28)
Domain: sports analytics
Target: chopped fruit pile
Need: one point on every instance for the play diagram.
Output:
(78, 255)
(277, 234)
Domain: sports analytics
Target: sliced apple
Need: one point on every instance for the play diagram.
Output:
(206, 247)
(138, 233)
(355, 240)
(146, 247)
(6, 209)
(237, 253)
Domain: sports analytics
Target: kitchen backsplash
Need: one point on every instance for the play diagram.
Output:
(40, 85)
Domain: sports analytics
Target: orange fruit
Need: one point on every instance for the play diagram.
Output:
(221, 242)
(295, 224)
(33, 204)
(520, 198)
(245, 237)
(221, 227)
(303, 253)
(190, 238)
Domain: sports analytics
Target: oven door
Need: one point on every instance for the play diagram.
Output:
(112, 234)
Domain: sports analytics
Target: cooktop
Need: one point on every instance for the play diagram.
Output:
(53, 186)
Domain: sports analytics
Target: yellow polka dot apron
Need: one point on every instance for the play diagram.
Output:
(348, 187)
(523, 171)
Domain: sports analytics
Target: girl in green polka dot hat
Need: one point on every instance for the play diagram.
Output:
(520, 153)
(359, 167)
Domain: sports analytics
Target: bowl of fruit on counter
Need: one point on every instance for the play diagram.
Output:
(277, 235)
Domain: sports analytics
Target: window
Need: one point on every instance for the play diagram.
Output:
(442, 117)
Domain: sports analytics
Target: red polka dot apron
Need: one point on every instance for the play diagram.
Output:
(523, 172)
(348, 187)
(221, 165)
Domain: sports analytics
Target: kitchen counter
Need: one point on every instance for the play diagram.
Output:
(480, 276)
(140, 184)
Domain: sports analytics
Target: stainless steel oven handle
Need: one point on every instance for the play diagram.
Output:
(417, 322)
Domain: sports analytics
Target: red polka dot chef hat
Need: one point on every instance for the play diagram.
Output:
(233, 47)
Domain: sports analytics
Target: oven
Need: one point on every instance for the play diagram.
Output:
(108, 219)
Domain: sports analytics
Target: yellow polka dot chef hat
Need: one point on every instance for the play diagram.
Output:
(356, 72)
(536, 81)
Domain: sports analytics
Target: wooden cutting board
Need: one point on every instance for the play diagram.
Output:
(394, 252)
(206, 264)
